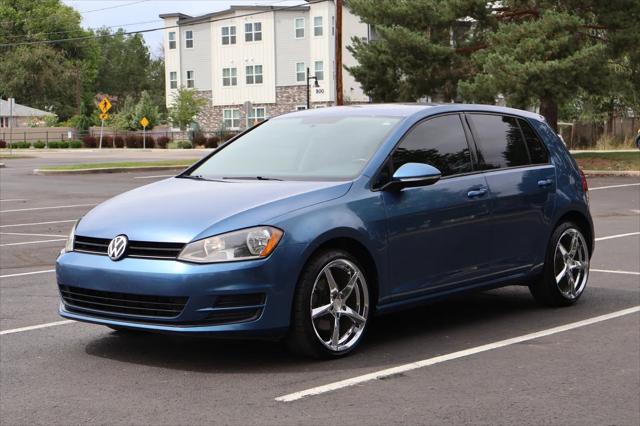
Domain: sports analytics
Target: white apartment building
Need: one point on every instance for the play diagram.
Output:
(250, 62)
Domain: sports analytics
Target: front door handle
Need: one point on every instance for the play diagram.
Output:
(545, 182)
(475, 193)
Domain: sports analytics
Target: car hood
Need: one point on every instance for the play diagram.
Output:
(183, 210)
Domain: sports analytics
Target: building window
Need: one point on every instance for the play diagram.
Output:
(229, 76)
(173, 80)
(317, 26)
(191, 81)
(333, 25)
(231, 118)
(228, 35)
(172, 40)
(301, 73)
(301, 107)
(256, 115)
(253, 31)
(188, 36)
(254, 74)
(319, 69)
(299, 27)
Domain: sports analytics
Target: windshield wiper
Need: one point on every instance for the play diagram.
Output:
(198, 177)
(251, 178)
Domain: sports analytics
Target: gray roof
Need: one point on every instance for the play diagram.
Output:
(185, 19)
(21, 110)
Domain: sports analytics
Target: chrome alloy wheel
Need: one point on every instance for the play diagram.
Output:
(571, 263)
(339, 305)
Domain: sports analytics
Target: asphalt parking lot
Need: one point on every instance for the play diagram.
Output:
(573, 372)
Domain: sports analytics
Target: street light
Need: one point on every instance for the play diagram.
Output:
(315, 84)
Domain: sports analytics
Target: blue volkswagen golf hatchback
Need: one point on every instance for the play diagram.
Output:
(307, 225)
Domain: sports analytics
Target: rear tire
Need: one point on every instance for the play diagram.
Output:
(331, 307)
(566, 268)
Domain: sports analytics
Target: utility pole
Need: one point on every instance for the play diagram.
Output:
(339, 90)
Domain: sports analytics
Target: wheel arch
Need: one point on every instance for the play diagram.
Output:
(583, 222)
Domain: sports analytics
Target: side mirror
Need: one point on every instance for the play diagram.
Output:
(411, 175)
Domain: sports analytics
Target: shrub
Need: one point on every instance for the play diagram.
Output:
(63, 144)
(39, 145)
(54, 144)
(212, 142)
(22, 145)
(199, 140)
(162, 142)
(75, 144)
(90, 141)
(225, 136)
(3, 144)
(119, 141)
(133, 141)
(150, 142)
(184, 145)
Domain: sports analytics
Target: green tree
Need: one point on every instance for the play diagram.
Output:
(185, 107)
(125, 118)
(146, 107)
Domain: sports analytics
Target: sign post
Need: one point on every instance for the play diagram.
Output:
(144, 122)
(104, 106)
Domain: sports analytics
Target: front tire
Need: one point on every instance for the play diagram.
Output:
(566, 268)
(331, 307)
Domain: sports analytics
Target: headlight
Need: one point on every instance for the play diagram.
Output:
(72, 236)
(246, 244)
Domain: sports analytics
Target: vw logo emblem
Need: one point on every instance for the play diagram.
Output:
(117, 247)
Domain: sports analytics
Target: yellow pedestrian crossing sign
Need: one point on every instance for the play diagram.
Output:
(104, 105)
(104, 116)
(144, 122)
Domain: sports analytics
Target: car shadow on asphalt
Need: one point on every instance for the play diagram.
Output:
(391, 338)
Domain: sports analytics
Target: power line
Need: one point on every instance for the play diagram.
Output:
(112, 7)
(273, 9)
(81, 29)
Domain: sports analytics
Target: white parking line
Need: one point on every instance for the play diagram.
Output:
(32, 242)
(609, 271)
(35, 327)
(448, 357)
(33, 235)
(47, 208)
(6, 200)
(22, 274)
(610, 237)
(614, 186)
(152, 177)
(38, 223)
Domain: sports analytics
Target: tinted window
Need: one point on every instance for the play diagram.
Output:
(499, 141)
(440, 142)
(537, 151)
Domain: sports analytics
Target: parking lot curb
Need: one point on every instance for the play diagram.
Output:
(612, 172)
(45, 172)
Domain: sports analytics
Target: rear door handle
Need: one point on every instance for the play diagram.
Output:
(545, 182)
(475, 193)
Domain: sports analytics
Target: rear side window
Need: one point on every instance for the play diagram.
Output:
(440, 142)
(499, 141)
(537, 150)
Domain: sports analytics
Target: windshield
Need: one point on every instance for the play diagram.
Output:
(314, 147)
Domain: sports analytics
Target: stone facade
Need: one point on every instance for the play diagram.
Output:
(288, 98)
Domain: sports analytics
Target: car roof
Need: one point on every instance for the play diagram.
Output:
(409, 110)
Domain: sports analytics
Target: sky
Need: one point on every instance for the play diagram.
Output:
(143, 14)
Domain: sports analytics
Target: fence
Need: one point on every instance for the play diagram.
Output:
(34, 134)
(620, 131)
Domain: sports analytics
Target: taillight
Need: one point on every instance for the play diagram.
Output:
(585, 185)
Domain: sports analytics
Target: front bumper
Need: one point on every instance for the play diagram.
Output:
(104, 283)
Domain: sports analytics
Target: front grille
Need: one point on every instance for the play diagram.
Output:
(230, 316)
(122, 303)
(139, 249)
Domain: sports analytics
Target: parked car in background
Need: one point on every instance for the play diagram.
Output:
(307, 225)
(638, 139)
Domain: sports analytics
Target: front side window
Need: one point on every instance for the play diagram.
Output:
(229, 76)
(299, 27)
(440, 142)
(304, 147)
(173, 80)
(172, 40)
(191, 80)
(229, 35)
(254, 74)
(537, 150)
(319, 69)
(231, 118)
(256, 115)
(301, 73)
(499, 141)
(317, 26)
(253, 31)
(188, 36)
